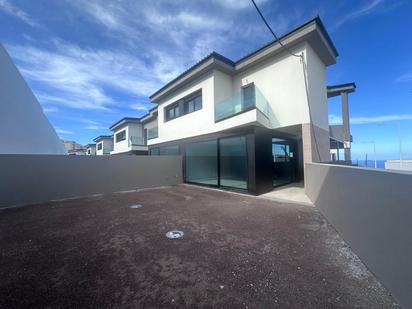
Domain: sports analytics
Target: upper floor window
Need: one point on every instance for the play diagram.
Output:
(186, 105)
(193, 104)
(172, 112)
(99, 146)
(248, 96)
(121, 136)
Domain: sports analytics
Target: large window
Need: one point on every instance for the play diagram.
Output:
(186, 105)
(201, 163)
(248, 96)
(172, 111)
(99, 146)
(193, 104)
(121, 136)
(169, 150)
(233, 162)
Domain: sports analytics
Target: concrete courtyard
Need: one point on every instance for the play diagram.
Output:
(238, 251)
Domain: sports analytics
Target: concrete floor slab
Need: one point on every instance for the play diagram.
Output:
(237, 252)
(292, 193)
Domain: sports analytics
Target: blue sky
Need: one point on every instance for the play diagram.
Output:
(92, 62)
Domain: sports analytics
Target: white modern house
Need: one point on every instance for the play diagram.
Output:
(104, 144)
(253, 123)
(24, 129)
(90, 149)
(129, 137)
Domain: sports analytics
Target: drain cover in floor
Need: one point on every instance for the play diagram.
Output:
(136, 206)
(174, 234)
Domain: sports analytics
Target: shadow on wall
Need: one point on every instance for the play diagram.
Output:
(372, 211)
(29, 179)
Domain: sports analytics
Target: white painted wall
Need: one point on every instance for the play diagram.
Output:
(92, 150)
(132, 129)
(107, 146)
(317, 89)
(24, 129)
(280, 80)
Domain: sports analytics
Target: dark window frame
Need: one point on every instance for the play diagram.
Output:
(191, 99)
(100, 146)
(123, 138)
(181, 105)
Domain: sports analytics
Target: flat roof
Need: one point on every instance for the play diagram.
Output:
(90, 145)
(124, 120)
(336, 90)
(216, 60)
(101, 137)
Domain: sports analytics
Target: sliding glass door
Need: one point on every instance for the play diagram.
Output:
(233, 162)
(201, 163)
(219, 162)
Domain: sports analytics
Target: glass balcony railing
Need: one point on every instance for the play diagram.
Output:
(136, 141)
(238, 103)
(152, 132)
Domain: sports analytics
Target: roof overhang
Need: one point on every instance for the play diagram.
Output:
(102, 137)
(124, 121)
(213, 61)
(337, 90)
(312, 32)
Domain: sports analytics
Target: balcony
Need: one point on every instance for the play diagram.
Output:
(152, 133)
(136, 141)
(239, 103)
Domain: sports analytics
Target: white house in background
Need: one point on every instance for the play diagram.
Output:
(74, 148)
(249, 124)
(24, 129)
(104, 144)
(129, 137)
(91, 149)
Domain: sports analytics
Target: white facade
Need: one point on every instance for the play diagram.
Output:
(128, 137)
(104, 145)
(91, 150)
(24, 129)
(280, 79)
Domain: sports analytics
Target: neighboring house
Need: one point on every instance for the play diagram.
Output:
(150, 125)
(104, 144)
(91, 149)
(340, 133)
(128, 137)
(249, 124)
(24, 129)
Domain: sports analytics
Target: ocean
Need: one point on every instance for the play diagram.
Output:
(370, 163)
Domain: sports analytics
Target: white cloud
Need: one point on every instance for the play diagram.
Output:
(334, 119)
(12, 10)
(404, 78)
(63, 131)
(81, 78)
(50, 109)
(139, 107)
(364, 10)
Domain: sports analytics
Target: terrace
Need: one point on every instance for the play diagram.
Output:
(238, 251)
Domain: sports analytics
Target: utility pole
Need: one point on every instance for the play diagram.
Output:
(400, 145)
